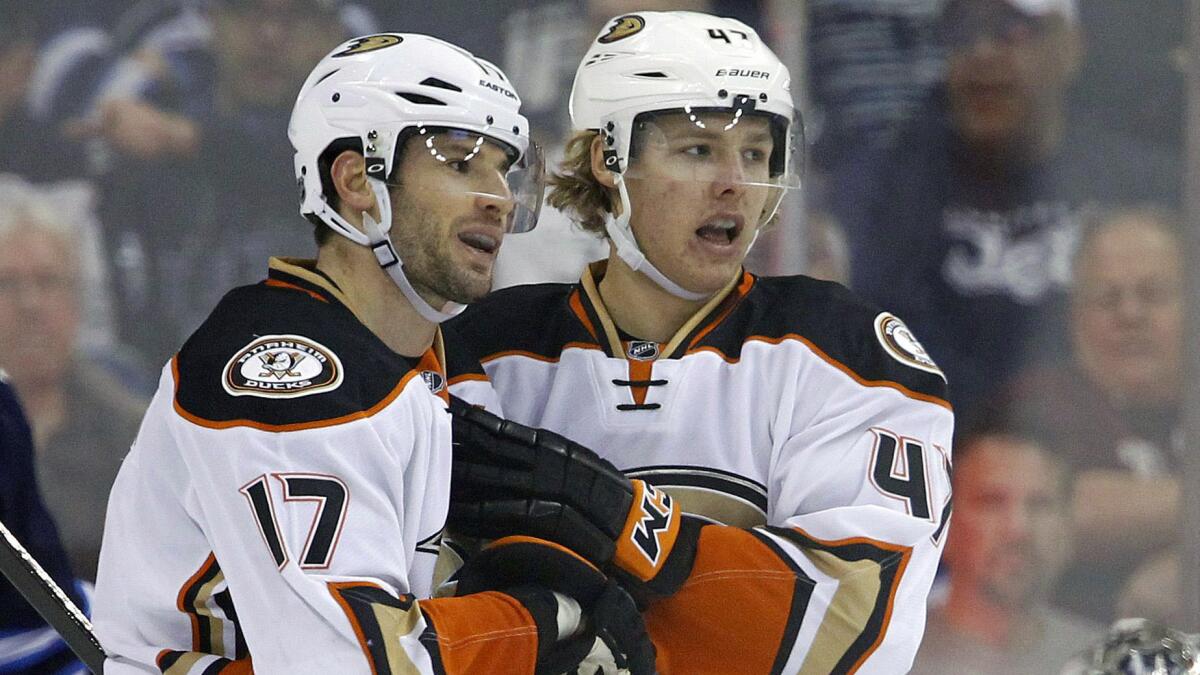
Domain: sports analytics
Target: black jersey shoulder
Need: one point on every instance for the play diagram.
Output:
(281, 357)
(534, 318)
(859, 337)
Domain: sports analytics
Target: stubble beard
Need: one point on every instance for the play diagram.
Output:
(429, 261)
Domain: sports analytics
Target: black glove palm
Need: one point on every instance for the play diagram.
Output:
(510, 478)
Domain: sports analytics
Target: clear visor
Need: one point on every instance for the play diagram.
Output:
(747, 156)
(458, 163)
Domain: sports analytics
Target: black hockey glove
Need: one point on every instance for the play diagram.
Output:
(542, 575)
(512, 479)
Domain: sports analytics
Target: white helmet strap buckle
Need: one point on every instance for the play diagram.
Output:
(385, 253)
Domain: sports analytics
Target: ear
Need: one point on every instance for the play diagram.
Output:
(599, 169)
(349, 176)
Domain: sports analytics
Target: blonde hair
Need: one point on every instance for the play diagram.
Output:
(574, 189)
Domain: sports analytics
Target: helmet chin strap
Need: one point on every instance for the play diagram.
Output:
(627, 248)
(381, 245)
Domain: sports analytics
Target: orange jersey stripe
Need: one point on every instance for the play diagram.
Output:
(276, 283)
(188, 606)
(836, 364)
(577, 307)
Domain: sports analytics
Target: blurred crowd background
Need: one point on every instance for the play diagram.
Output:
(1004, 175)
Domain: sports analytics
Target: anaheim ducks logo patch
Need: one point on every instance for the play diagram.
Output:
(623, 27)
(282, 366)
(640, 350)
(899, 341)
(369, 43)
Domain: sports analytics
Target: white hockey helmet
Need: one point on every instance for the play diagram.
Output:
(682, 62)
(382, 90)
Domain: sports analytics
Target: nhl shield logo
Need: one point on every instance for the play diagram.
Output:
(899, 341)
(640, 350)
(282, 366)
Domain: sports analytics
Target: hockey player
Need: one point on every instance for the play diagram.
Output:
(785, 447)
(282, 506)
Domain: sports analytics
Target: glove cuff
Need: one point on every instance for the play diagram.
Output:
(543, 607)
(648, 537)
(675, 570)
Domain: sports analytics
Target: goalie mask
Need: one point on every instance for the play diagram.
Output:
(700, 94)
(396, 92)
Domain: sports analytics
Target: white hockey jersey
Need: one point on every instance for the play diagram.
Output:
(282, 505)
(811, 427)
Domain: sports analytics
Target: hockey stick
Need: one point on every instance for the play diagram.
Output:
(32, 582)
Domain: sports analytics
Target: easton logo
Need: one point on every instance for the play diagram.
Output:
(657, 509)
(640, 350)
(495, 87)
(433, 380)
(282, 366)
(899, 341)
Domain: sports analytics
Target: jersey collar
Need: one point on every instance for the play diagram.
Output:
(689, 334)
(302, 274)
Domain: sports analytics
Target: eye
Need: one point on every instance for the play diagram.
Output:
(459, 165)
(755, 155)
(701, 150)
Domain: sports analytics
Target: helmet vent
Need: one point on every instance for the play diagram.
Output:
(326, 76)
(419, 99)
(440, 84)
(657, 75)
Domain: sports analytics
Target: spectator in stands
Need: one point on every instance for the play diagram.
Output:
(18, 50)
(1007, 544)
(27, 644)
(873, 63)
(968, 228)
(203, 134)
(1115, 411)
(29, 144)
(83, 418)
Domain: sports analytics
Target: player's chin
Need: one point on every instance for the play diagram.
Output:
(471, 285)
(711, 278)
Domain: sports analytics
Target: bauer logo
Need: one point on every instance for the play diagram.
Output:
(743, 72)
(642, 351)
(282, 366)
(899, 341)
(623, 27)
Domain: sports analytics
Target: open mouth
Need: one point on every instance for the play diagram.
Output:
(480, 242)
(721, 230)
